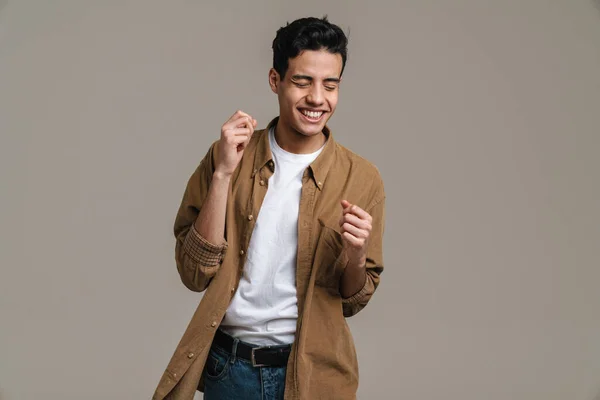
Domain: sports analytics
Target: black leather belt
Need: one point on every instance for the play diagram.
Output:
(262, 356)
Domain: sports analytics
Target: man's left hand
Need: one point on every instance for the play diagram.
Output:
(355, 224)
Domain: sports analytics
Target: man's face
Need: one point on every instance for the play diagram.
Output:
(308, 93)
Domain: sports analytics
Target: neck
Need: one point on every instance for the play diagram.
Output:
(295, 142)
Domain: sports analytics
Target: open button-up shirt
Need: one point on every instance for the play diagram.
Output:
(323, 362)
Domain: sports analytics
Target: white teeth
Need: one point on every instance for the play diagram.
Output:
(312, 114)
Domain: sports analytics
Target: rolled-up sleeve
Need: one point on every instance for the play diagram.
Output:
(355, 303)
(197, 259)
(201, 251)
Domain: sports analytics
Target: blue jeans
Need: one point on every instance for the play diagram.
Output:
(227, 377)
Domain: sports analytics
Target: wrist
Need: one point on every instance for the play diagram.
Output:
(357, 263)
(221, 175)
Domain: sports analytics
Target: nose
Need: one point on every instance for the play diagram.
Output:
(316, 96)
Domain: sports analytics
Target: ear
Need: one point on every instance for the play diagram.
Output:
(274, 80)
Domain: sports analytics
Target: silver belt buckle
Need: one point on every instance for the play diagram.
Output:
(253, 359)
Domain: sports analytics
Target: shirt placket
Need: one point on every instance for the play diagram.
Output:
(304, 256)
(259, 191)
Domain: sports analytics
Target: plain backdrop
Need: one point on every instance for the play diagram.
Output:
(482, 116)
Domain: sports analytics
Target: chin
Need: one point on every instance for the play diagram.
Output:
(309, 130)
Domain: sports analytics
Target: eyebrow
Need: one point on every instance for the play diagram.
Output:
(310, 78)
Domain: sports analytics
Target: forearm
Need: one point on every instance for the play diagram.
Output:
(200, 223)
(361, 278)
(210, 223)
(353, 279)
(200, 248)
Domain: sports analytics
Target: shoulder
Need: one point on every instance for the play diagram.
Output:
(360, 170)
(345, 154)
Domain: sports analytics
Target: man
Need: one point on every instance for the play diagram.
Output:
(283, 229)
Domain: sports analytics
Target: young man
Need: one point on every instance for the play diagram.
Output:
(283, 229)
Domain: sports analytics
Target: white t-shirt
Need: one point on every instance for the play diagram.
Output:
(264, 309)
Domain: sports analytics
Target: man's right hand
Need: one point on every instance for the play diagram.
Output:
(235, 136)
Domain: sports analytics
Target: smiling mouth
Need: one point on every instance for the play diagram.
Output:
(312, 115)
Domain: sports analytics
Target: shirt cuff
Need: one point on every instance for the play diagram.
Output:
(361, 295)
(201, 250)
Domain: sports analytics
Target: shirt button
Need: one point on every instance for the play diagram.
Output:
(320, 184)
(250, 217)
(262, 183)
(232, 289)
(213, 324)
(241, 252)
(191, 355)
(271, 164)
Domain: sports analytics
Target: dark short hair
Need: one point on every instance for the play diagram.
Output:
(307, 34)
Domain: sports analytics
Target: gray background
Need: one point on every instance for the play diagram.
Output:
(483, 117)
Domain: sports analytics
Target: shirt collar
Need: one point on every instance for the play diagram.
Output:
(319, 168)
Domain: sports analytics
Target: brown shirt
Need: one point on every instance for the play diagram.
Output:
(323, 362)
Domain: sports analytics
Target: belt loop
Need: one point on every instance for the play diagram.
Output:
(234, 349)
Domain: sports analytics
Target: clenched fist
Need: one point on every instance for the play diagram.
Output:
(235, 136)
(355, 224)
